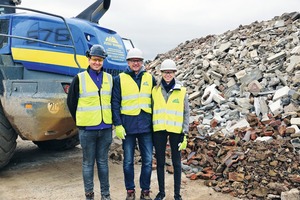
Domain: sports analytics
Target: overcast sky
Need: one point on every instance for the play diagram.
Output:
(157, 26)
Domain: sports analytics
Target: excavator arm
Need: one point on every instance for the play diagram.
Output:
(93, 13)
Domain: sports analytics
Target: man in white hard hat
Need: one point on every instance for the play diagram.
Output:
(132, 117)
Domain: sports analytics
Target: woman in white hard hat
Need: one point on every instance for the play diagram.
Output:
(170, 122)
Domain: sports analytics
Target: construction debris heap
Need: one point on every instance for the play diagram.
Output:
(244, 98)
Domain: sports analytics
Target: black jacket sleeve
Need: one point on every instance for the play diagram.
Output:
(73, 95)
(154, 81)
(116, 102)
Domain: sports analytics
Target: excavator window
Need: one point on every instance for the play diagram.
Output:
(3, 30)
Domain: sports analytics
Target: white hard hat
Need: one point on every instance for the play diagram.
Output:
(135, 53)
(168, 64)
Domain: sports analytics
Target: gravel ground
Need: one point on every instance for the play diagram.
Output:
(36, 174)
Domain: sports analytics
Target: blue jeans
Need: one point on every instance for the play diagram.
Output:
(160, 139)
(95, 146)
(146, 150)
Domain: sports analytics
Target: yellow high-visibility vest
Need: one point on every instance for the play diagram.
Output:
(168, 115)
(134, 99)
(92, 108)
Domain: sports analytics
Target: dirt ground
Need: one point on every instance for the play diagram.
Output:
(36, 174)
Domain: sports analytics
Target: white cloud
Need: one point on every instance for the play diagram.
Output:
(157, 26)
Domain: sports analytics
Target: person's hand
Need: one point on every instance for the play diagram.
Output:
(120, 132)
(182, 145)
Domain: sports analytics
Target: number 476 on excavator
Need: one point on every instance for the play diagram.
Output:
(40, 53)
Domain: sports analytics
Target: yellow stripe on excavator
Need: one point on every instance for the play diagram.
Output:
(49, 57)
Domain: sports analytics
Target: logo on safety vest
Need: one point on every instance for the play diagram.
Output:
(175, 101)
(146, 83)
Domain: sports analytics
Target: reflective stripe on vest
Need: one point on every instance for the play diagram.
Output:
(92, 109)
(168, 115)
(133, 98)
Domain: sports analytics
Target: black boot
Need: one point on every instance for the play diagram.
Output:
(89, 196)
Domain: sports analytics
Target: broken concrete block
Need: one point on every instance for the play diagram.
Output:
(216, 75)
(213, 64)
(194, 95)
(253, 54)
(225, 46)
(257, 106)
(293, 194)
(231, 82)
(276, 107)
(279, 23)
(295, 121)
(276, 57)
(297, 130)
(240, 74)
(296, 50)
(240, 124)
(210, 94)
(264, 139)
(294, 60)
(282, 92)
(254, 74)
(254, 87)
(205, 64)
(263, 105)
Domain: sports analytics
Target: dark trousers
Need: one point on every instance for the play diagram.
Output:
(160, 141)
(146, 148)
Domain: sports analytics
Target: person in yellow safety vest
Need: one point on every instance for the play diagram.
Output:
(132, 117)
(170, 122)
(89, 102)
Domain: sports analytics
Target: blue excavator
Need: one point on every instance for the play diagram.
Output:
(40, 53)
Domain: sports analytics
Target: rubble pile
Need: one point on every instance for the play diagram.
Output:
(236, 164)
(244, 95)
